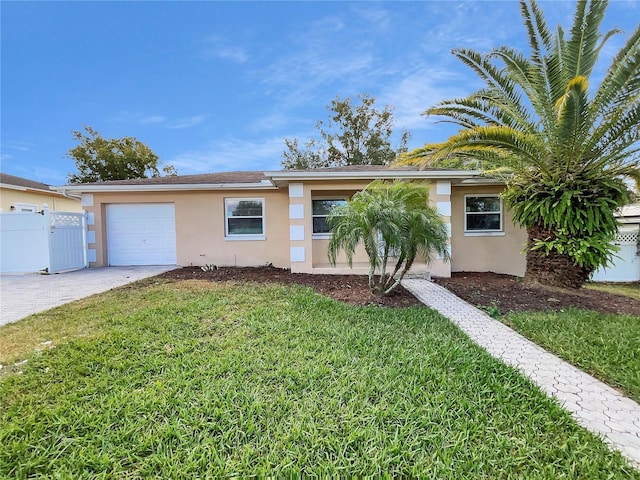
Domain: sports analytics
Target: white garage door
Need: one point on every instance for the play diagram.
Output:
(141, 234)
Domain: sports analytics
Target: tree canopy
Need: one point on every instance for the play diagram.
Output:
(563, 144)
(100, 159)
(353, 135)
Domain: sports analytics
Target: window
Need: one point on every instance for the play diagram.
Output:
(483, 213)
(320, 210)
(24, 207)
(244, 218)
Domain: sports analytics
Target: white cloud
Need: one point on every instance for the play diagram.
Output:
(216, 47)
(21, 146)
(231, 154)
(187, 122)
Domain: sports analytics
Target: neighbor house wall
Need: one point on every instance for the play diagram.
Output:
(200, 227)
(500, 252)
(56, 202)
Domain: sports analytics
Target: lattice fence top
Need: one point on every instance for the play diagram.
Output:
(628, 236)
(66, 219)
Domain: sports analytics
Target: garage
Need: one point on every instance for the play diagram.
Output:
(141, 234)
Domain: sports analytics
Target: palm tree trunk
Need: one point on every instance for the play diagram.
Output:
(552, 269)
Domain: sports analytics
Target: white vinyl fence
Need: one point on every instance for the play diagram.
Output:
(42, 241)
(626, 266)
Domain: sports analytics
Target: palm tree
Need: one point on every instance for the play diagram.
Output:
(563, 147)
(394, 223)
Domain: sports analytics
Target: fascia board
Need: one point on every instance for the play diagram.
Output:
(426, 174)
(163, 188)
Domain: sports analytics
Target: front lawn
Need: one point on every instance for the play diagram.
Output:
(631, 290)
(604, 345)
(195, 379)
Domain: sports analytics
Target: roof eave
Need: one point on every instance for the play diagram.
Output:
(280, 177)
(97, 188)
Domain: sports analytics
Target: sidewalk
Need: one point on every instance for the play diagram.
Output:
(596, 406)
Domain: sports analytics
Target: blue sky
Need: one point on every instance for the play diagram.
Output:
(214, 86)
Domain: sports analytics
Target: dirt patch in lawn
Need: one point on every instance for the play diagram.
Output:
(351, 289)
(510, 294)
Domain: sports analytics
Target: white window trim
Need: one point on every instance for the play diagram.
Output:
(484, 233)
(234, 237)
(28, 207)
(325, 235)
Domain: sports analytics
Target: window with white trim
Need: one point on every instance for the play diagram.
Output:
(244, 218)
(320, 211)
(24, 207)
(483, 213)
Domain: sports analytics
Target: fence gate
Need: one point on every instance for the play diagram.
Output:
(66, 241)
(626, 265)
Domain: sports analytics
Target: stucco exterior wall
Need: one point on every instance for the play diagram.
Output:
(9, 197)
(501, 253)
(200, 227)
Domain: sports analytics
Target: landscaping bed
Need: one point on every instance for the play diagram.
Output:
(509, 294)
(351, 289)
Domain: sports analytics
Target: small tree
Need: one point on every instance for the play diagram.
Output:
(354, 135)
(99, 159)
(394, 223)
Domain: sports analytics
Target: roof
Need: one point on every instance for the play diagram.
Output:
(267, 180)
(12, 180)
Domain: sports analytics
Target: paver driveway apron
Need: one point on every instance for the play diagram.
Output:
(594, 405)
(23, 295)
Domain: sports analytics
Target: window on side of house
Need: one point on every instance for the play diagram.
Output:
(24, 207)
(320, 210)
(483, 213)
(244, 218)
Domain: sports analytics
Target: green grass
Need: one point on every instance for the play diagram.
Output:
(195, 380)
(628, 289)
(606, 346)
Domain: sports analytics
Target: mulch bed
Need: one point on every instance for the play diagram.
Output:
(510, 294)
(505, 292)
(351, 289)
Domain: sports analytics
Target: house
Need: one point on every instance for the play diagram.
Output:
(19, 194)
(255, 218)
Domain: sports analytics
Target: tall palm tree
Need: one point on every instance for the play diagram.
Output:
(563, 147)
(395, 224)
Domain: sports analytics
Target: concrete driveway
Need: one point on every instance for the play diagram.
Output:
(23, 295)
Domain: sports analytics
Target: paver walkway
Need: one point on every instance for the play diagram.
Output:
(595, 406)
(23, 295)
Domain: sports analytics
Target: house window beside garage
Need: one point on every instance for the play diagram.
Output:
(483, 214)
(320, 211)
(244, 218)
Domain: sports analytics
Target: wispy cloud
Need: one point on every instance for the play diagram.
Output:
(231, 154)
(217, 47)
(187, 122)
(136, 118)
(21, 146)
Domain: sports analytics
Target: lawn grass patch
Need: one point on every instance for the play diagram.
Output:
(605, 346)
(197, 379)
(627, 289)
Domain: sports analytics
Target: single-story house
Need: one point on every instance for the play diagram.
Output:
(19, 194)
(252, 218)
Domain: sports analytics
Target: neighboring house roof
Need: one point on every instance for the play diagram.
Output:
(10, 181)
(629, 213)
(267, 180)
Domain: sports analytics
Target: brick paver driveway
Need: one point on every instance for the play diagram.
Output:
(23, 295)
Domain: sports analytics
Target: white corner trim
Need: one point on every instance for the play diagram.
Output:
(91, 255)
(91, 236)
(296, 190)
(296, 232)
(86, 200)
(296, 211)
(91, 218)
(443, 187)
(296, 254)
(444, 208)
